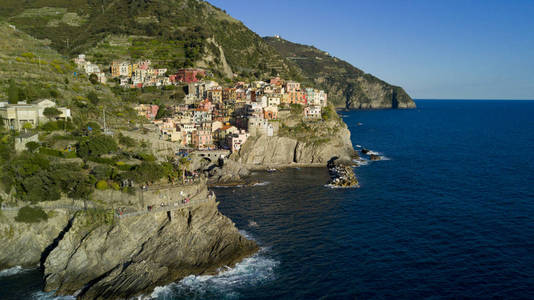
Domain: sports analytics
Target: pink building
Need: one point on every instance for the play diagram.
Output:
(236, 140)
(148, 111)
(276, 81)
(292, 86)
(205, 105)
(201, 138)
(187, 75)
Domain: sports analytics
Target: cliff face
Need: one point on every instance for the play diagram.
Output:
(22, 244)
(135, 254)
(94, 255)
(284, 151)
(347, 86)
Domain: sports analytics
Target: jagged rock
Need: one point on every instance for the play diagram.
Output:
(374, 157)
(341, 175)
(21, 244)
(135, 254)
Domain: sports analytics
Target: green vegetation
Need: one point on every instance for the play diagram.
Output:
(96, 146)
(92, 218)
(344, 83)
(51, 112)
(29, 214)
(173, 34)
(36, 178)
(102, 185)
(32, 146)
(296, 109)
(127, 141)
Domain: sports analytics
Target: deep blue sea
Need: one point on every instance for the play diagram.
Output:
(448, 214)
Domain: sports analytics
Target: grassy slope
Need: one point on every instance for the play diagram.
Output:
(326, 71)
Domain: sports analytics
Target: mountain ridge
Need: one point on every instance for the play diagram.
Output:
(184, 33)
(347, 86)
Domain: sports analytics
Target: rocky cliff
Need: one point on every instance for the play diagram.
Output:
(22, 244)
(135, 254)
(276, 151)
(96, 255)
(347, 86)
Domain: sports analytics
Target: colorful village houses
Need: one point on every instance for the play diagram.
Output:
(148, 111)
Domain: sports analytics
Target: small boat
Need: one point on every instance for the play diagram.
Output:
(271, 170)
(360, 124)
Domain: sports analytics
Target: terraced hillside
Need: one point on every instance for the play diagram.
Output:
(31, 70)
(173, 33)
(182, 33)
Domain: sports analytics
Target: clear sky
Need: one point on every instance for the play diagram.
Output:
(468, 49)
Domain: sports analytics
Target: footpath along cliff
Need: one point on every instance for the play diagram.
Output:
(97, 254)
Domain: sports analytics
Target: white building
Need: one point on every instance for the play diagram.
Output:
(259, 126)
(16, 115)
(313, 111)
(236, 140)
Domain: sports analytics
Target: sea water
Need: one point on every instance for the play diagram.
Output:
(450, 214)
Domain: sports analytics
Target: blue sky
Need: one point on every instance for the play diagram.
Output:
(434, 49)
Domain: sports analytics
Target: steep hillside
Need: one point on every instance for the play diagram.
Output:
(173, 33)
(31, 70)
(347, 85)
(184, 33)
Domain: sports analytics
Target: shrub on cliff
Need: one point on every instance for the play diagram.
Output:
(29, 214)
(102, 185)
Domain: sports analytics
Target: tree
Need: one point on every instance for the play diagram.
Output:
(102, 185)
(126, 141)
(51, 112)
(93, 78)
(163, 112)
(29, 214)
(184, 165)
(82, 189)
(93, 97)
(96, 146)
(13, 92)
(32, 146)
(148, 172)
(27, 126)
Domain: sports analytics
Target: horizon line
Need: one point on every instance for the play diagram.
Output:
(470, 99)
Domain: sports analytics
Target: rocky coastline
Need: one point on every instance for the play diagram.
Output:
(97, 254)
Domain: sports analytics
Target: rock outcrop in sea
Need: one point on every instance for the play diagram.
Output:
(279, 151)
(341, 175)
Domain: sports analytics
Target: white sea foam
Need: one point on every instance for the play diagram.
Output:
(12, 271)
(371, 152)
(332, 186)
(250, 272)
(50, 296)
(261, 183)
(361, 161)
(247, 235)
